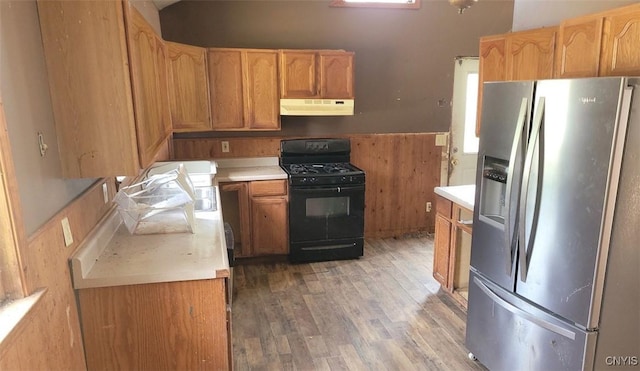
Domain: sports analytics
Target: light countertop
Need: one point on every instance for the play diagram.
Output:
(462, 195)
(249, 169)
(112, 256)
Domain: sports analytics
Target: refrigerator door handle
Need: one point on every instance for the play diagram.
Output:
(509, 235)
(524, 243)
(521, 313)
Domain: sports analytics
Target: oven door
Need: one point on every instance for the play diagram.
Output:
(325, 213)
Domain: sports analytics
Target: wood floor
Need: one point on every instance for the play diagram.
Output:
(380, 312)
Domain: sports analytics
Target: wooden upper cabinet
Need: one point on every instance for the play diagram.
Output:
(621, 36)
(336, 75)
(578, 47)
(107, 89)
(188, 88)
(147, 55)
(243, 89)
(225, 89)
(89, 80)
(262, 103)
(492, 66)
(317, 74)
(530, 54)
(299, 77)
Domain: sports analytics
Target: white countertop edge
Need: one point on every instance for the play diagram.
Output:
(176, 276)
(250, 173)
(463, 195)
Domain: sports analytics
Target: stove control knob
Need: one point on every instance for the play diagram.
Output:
(303, 180)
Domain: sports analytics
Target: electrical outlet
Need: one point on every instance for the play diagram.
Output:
(225, 146)
(428, 207)
(105, 193)
(66, 231)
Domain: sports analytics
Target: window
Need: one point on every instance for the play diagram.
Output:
(400, 4)
(470, 144)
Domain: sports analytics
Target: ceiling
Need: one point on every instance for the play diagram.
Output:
(163, 3)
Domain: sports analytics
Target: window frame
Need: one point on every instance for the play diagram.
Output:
(13, 236)
(346, 4)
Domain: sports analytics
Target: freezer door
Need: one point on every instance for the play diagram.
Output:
(506, 112)
(506, 333)
(569, 168)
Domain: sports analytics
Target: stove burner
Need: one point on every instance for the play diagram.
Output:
(330, 168)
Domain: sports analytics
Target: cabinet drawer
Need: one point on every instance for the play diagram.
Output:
(443, 207)
(268, 187)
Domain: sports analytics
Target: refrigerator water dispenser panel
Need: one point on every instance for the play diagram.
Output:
(493, 191)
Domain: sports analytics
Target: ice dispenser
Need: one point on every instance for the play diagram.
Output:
(493, 191)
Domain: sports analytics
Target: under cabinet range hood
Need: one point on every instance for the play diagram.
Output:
(316, 107)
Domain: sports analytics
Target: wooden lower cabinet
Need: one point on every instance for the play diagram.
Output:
(441, 247)
(258, 213)
(452, 248)
(269, 225)
(182, 325)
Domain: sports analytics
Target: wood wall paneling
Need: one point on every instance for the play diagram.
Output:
(52, 338)
(401, 173)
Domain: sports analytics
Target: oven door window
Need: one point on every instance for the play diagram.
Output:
(327, 207)
(326, 213)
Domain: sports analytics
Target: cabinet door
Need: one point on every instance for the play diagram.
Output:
(162, 55)
(492, 66)
(146, 73)
(578, 50)
(530, 54)
(262, 105)
(90, 84)
(269, 225)
(336, 75)
(225, 89)
(299, 76)
(441, 246)
(188, 88)
(621, 37)
(178, 325)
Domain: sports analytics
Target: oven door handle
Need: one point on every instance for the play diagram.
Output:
(338, 189)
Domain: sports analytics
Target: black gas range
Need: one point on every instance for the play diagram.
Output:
(326, 199)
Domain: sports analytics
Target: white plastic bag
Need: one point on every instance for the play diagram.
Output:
(163, 203)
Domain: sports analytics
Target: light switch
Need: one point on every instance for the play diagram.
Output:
(441, 140)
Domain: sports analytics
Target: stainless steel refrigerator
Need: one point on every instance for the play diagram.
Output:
(554, 282)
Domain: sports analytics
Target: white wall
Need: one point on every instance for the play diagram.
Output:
(149, 12)
(27, 104)
(529, 14)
